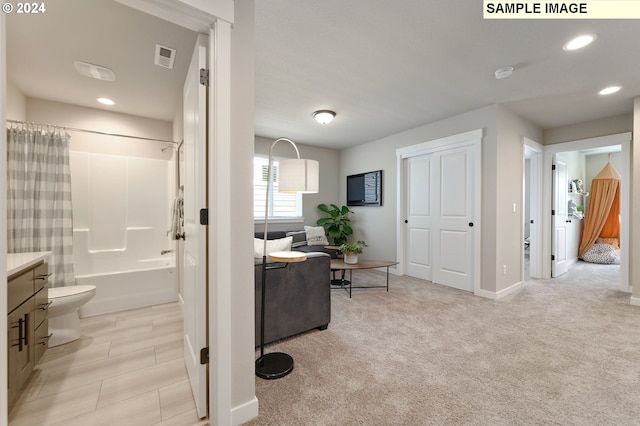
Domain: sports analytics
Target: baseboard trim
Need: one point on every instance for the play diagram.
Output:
(242, 413)
(500, 294)
(635, 301)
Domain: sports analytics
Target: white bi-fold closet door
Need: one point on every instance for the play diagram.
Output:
(441, 220)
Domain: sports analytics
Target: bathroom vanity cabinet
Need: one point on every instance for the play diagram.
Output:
(27, 305)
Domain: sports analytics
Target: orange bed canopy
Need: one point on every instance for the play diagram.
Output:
(603, 213)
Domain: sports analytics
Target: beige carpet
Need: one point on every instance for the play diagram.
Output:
(559, 352)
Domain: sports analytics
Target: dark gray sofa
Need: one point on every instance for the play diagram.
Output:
(298, 297)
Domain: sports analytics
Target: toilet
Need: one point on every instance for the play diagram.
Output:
(64, 320)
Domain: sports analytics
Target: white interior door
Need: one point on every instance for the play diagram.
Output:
(195, 254)
(559, 218)
(418, 208)
(453, 219)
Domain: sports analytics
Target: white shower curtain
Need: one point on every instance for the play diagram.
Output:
(39, 213)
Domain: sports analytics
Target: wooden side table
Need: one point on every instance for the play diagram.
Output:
(339, 265)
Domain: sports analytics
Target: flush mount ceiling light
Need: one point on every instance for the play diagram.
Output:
(579, 42)
(105, 101)
(503, 72)
(324, 116)
(609, 90)
(94, 71)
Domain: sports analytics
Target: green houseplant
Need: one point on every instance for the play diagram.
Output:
(352, 250)
(337, 224)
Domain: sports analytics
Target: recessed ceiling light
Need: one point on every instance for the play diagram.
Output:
(609, 90)
(324, 116)
(105, 101)
(579, 42)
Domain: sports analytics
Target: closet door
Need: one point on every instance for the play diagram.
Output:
(418, 180)
(440, 230)
(453, 219)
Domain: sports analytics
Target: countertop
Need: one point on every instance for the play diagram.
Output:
(17, 262)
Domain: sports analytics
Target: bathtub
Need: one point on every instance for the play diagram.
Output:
(144, 282)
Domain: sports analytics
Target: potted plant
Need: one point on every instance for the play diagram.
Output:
(337, 224)
(351, 251)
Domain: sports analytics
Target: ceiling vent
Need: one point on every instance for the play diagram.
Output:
(165, 56)
(94, 71)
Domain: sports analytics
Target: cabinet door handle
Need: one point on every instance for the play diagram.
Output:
(45, 307)
(46, 340)
(19, 327)
(26, 328)
(43, 277)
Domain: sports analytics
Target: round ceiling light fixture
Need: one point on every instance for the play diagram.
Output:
(324, 116)
(503, 72)
(579, 42)
(609, 90)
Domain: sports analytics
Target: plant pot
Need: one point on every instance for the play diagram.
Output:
(351, 258)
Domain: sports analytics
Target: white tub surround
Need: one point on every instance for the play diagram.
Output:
(121, 206)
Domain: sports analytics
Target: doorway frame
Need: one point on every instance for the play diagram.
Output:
(471, 138)
(535, 208)
(622, 139)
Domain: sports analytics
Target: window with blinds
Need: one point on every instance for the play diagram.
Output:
(281, 206)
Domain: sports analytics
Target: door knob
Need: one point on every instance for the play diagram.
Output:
(470, 224)
(406, 221)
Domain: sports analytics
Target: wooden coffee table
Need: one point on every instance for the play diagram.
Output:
(339, 265)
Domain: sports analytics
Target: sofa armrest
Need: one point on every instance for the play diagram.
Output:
(298, 297)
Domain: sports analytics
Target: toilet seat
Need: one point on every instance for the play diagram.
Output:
(72, 290)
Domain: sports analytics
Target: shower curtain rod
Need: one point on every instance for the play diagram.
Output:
(95, 132)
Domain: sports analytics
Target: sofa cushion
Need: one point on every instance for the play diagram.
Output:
(316, 236)
(282, 244)
(299, 238)
(271, 235)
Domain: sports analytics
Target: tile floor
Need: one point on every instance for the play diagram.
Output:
(127, 369)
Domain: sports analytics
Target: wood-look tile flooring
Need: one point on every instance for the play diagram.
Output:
(127, 369)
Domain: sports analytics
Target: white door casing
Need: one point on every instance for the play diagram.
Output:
(559, 218)
(439, 216)
(195, 253)
(534, 151)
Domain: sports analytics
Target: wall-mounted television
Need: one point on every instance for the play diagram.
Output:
(365, 189)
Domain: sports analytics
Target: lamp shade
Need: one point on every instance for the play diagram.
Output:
(298, 175)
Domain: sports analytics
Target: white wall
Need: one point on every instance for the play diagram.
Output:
(330, 180)
(502, 172)
(16, 103)
(591, 129)
(66, 115)
(241, 245)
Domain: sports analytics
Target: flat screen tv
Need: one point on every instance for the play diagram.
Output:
(365, 189)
